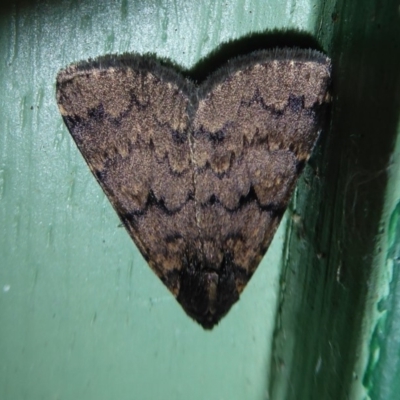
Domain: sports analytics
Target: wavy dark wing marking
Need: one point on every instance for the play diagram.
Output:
(254, 128)
(199, 176)
(131, 127)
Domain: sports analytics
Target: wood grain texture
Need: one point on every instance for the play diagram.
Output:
(199, 175)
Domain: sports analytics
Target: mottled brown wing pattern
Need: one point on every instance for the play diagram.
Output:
(136, 149)
(200, 176)
(253, 131)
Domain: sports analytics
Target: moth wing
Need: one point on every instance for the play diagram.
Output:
(202, 209)
(130, 122)
(255, 127)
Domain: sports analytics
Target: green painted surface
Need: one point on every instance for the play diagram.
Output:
(335, 273)
(382, 376)
(83, 317)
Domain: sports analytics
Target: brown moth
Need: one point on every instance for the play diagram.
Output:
(199, 175)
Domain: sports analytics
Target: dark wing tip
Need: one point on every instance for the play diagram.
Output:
(207, 295)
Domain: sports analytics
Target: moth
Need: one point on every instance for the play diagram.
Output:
(200, 175)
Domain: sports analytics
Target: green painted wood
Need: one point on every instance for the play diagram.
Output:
(340, 252)
(83, 317)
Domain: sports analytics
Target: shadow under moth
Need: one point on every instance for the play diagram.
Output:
(200, 175)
